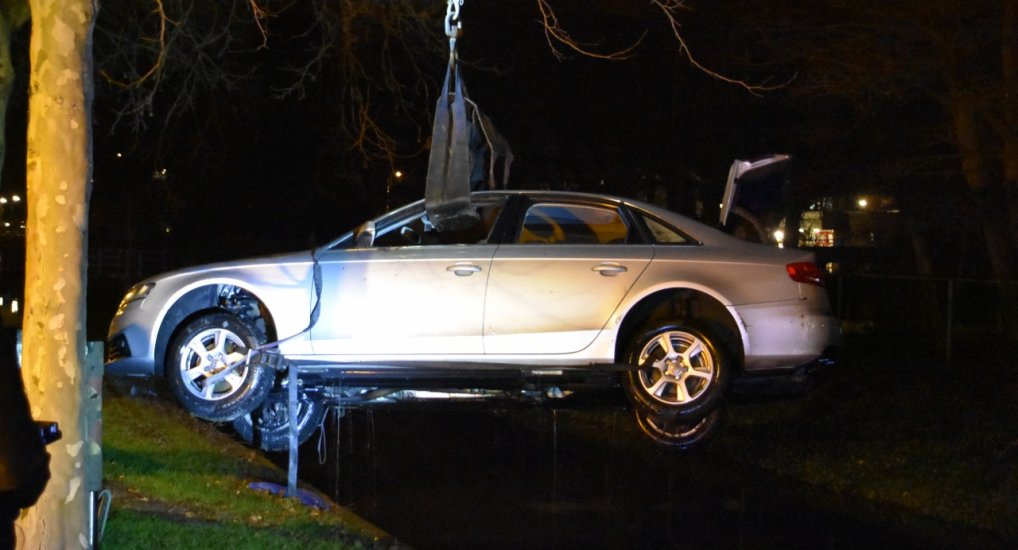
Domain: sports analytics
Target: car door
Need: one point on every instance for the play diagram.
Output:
(556, 285)
(412, 291)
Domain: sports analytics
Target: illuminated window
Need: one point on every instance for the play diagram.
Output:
(572, 224)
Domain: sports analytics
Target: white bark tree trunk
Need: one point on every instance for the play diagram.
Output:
(58, 177)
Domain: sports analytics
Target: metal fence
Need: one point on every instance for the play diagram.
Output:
(925, 317)
(124, 264)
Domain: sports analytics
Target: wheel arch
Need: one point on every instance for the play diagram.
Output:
(682, 303)
(205, 299)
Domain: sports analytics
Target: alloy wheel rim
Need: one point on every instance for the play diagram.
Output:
(676, 368)
(208, 353)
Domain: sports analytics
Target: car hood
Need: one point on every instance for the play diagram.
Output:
(274, 260)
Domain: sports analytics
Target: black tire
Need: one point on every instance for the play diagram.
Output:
(679, 434)
(681, 371)
(268, 426)
(224, 339)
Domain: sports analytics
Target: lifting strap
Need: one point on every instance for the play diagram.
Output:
(461, 138)
(485, 138)
(447, 188)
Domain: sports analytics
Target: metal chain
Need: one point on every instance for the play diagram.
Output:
(453, 24)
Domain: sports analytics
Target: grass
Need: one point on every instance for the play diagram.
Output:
(181, 483)
(925, 440)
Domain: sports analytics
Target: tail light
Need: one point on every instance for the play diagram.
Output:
(805, 272)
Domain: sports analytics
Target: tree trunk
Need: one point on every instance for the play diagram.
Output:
(58, 175)
(989, 196)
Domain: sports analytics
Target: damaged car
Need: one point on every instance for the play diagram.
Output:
(545, 295)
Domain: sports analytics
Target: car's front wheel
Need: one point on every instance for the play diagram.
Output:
(680, 371)
(268, 426)
(207, 370)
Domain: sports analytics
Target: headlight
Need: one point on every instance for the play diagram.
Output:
(137, 292)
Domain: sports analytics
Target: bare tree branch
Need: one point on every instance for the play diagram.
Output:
(379, 58)
(554, 33)
(157, 65)
(670, 9)
(260, 17)
(192, 44)
(380, 52)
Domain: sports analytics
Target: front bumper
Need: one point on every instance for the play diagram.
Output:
(126, 353)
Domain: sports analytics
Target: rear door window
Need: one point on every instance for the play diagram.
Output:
(555, 223)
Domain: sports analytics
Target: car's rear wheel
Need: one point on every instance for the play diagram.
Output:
(678, 434)
(681, 371)
(268, 426)
(207, 372)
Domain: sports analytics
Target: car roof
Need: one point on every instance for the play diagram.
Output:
(702, 232)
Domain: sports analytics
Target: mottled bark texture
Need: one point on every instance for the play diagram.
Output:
(58, 175)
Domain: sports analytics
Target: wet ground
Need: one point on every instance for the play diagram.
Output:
(474, 477)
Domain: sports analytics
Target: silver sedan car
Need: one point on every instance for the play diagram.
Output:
(546, 294)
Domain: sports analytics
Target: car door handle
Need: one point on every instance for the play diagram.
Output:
(609, 269)
(464, 269)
